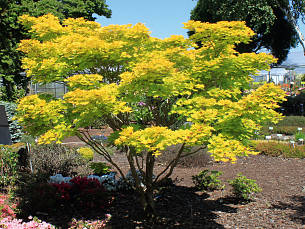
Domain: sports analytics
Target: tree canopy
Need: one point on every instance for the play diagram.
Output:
(273, 21)
(14, 83)
(146, 89)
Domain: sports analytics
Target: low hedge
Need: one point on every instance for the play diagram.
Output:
(276, 149)
(288, 125)
(287, 130)
(298, 121)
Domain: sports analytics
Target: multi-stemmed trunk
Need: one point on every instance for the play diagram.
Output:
(142, 172)
(144, 186)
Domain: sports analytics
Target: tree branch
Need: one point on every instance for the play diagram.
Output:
(103, 152)
(171, 165)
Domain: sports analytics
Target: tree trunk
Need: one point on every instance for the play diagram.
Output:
(295, 25)
(144, 187)
(7, 90)
(297, 29)
(150, 204)
(149, 208)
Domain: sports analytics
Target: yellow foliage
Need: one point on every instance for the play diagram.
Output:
(109, 70)
(226, 149)
(85, 81)
(86, 152)
(156, 139)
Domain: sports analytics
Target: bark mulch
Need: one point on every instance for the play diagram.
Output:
(281, 204)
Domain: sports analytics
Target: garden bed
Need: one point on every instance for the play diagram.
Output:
(281, 204)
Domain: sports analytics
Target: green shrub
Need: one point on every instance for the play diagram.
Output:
(14, 127)
(298, 121)
(243, 187)
(81, 194)
(287, 130)
(9, 165)
(100, 168)
(276, 149)
(208, 180)
(288, 126)
(299, 135)
(57, 159)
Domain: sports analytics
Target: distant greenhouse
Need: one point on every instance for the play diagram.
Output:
(57, 89)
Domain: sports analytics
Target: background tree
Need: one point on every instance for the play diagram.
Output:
(145, 89)
(273, 21)
(14, 81)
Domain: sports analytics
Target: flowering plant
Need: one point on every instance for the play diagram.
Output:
(108, 181)
(96, 224)
(11, 223)
(82, 192)
(7, 208)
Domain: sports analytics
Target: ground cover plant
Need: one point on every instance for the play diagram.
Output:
(145, 89)
(280, 149)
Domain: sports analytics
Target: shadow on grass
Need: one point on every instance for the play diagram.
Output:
(297, 204)
(177, 207)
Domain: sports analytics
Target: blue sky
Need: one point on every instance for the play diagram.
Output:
(163, 17)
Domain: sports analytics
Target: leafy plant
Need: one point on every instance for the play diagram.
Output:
(264, 17)
(208, 180)
(86, 152)
(243, 187)
(171, 76)
(276, 149)
(7, 207)
(9, 165)
(298, 121)
(90, 224)
(141, 113)
(100, 168)
(15, 128)
(299, 135)
(35, 223)
(55, 158)
(79, 194)
(287, 130)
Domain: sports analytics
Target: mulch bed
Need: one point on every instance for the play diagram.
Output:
(281, 204)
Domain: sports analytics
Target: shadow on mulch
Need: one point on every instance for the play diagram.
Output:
(297, 204)
(177, 207)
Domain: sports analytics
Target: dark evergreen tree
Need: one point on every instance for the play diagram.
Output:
(14, 81)
(273, 21)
